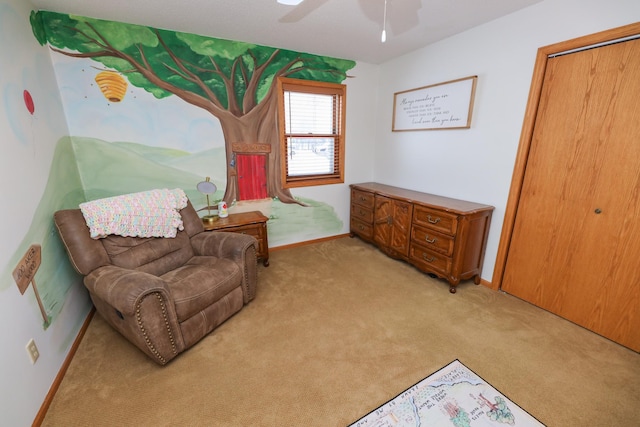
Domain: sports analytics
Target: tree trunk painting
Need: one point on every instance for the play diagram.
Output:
(233, 81)
(259, 126)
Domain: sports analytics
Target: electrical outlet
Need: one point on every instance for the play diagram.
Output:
(32, 351)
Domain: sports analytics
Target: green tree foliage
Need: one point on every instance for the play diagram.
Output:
(232, 75)
(230, 79)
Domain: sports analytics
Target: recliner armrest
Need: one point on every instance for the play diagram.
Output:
(240, 248)
(123, 288)
(222, 244)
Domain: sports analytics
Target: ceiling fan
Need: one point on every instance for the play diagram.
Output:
(302, 9)
(401, 16)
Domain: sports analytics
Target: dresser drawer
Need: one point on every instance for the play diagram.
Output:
(251, 230)
(363, 198)
(250, 223)
(436, 220)
(427, 260)
(362, 213)
(363, 229)
(432, 240)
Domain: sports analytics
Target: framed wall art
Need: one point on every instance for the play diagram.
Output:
(446, 105)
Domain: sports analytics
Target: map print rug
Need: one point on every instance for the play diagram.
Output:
(454, 396)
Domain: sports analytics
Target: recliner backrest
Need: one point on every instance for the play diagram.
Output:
(155, 255)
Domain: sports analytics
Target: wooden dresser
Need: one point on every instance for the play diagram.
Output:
(438, 235)
(251, 223)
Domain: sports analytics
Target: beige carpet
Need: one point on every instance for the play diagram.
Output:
(337, 328)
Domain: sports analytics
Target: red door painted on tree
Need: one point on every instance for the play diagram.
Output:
(252, 176)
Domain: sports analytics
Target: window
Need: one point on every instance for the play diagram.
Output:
(311, 119)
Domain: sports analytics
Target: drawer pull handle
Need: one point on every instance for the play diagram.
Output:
(428, 259)
(361, 227)
(426, 238)
(362, 213)
(363, 199)
(433, 221)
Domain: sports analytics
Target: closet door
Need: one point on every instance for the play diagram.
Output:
(575, 248)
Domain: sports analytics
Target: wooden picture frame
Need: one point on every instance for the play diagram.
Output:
(446, 105)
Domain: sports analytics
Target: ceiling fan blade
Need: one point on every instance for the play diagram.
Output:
(302, 10)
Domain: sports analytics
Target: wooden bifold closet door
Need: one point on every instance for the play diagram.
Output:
(575, 247)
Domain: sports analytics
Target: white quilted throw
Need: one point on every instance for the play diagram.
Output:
(153, 213)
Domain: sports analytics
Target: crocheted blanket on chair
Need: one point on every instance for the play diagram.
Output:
(154, 213)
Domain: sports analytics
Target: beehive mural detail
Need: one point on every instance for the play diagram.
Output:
(112, 85)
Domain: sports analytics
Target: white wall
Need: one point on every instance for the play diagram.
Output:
(360, 140)
(476, 164)
(28, 143)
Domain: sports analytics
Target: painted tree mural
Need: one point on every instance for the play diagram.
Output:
(234, 81)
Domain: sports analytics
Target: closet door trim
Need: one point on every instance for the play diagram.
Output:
(527, 131)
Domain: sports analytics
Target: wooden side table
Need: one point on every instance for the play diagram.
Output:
(251, 223)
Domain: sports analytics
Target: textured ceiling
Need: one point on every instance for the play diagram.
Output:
(348, 29)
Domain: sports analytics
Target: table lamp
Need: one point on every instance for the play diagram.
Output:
(207, 187)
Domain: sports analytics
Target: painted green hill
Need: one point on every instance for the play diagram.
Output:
(108, 169)
(157, 154)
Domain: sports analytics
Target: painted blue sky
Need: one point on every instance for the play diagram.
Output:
(139, 117)
(23, 71)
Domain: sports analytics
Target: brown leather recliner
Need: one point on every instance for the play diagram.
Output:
(163, 294)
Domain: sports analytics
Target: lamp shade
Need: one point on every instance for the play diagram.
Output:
(206, 187)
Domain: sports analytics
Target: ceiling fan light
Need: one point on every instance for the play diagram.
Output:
(383, 38)
(290, 2)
